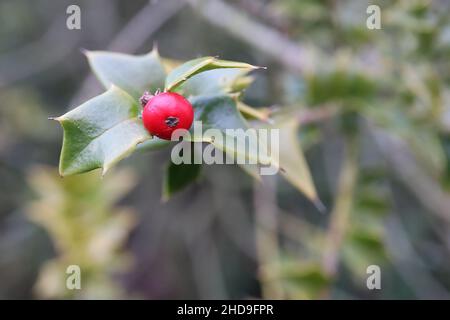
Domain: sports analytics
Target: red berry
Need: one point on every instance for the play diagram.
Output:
(166, 112)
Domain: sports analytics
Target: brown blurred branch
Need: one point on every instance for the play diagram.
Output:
(266, 39)
(308, 116)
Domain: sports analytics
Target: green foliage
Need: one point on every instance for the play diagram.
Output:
(295, 167)
(80, 214)
(337, 86)
(134, 74)
(106, 129)
(100, 132)
(189, 69)
(303, 280)
(383, 93)
(216, 81)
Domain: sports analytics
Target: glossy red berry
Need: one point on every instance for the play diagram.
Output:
(165, 112)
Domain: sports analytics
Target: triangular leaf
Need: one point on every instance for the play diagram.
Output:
(220, 112)
(134, 74)
(100, 132)
(188, 69)
(292, 160)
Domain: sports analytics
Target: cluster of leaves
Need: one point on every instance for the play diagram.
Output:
(88, 230)
(106, 129)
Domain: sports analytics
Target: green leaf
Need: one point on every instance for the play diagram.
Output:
(134, 74)
(220, 112)
(179, 176)
(100, 132)
(188, 69)
(218, 81)
(292, 160)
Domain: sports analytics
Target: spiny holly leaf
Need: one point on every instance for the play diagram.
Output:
(217, 81)
(134, 74)
(292, 160)
(187, 70)
(220, 112)
(100, 132)
(217, 111)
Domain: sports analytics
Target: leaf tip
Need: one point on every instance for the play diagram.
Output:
(84, 51)
(104, 170)
(155, 49)
(319, 205)
(59, 119)
(61, 172)
(258, 67)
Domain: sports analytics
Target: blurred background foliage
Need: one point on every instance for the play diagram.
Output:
(370, 109)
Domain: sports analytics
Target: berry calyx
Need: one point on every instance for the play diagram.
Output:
(165, 112)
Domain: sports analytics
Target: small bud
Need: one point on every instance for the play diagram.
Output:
(145, 98)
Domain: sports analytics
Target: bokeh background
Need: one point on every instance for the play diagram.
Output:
(375, 131)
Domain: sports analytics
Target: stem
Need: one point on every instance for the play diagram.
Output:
(341, 212)
(267, 238)
(262, 115)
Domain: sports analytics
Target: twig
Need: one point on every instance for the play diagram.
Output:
(308, 116)
(264, 38)
(267, 238)
(341, 211)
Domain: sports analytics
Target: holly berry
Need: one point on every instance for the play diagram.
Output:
(165, 112)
